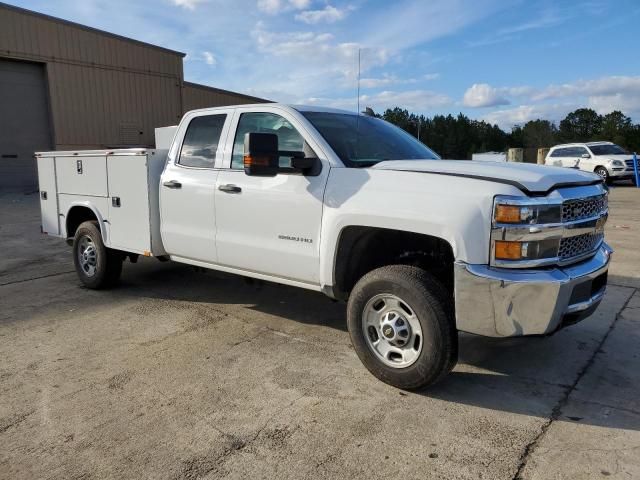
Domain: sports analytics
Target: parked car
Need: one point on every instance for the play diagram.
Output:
(610, 161)
(351, 206)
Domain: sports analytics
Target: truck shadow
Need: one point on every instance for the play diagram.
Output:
(526, 376)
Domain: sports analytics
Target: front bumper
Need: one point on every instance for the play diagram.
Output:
(621, 173)
(500, 302)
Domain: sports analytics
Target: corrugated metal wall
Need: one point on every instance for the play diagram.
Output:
(102, 90)
(102, 87)
(201, 96)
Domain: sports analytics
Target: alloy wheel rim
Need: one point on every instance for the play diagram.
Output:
(392, 330)
(87, 256)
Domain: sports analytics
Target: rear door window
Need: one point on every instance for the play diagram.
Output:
(200, 144)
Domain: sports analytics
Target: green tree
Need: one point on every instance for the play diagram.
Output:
(581, 125)
(459, 137)
(539, 134)
(617, 128)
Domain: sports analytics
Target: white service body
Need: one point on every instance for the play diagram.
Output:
(119, 186)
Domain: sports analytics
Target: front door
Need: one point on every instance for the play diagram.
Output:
(187, 189)
(270, 225)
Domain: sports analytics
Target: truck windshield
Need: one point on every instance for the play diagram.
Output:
(607, 150)
(362, 141)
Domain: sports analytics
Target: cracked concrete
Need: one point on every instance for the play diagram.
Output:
(185, 375)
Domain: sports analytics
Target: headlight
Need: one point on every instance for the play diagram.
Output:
(618, 163)
(530, 232)
(519, 216)
(522, 211)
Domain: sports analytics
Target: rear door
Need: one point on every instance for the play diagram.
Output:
(187, 187)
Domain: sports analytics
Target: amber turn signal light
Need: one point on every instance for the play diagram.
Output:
(508, 250)
(508, 214)
(254, 160)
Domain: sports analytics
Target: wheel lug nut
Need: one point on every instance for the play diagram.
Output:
(400, 322)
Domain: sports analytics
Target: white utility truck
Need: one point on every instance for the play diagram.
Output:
(351, 206)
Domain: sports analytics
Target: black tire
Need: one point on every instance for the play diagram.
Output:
(604, 174)
(431, 305)
(106, 264)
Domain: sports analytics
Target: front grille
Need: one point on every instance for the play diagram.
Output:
(581, 208)
(571, 247)
(630, 164)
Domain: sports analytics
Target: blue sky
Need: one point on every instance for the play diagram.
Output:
(498, 60)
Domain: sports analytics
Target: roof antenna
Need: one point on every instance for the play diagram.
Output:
(358, 99)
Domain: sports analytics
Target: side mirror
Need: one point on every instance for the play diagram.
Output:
(585, 155)
(261, 154)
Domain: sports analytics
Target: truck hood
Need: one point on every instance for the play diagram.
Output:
(530, 178)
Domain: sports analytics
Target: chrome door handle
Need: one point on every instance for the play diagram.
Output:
(229, 188)
(172, 184)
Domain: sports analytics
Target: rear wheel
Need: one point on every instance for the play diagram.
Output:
(96, 265)
(401, 326)
(604, 174)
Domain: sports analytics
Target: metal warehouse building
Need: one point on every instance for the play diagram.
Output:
(68, 86)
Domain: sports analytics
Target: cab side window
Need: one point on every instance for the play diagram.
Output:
(288, 137)
(201, 141)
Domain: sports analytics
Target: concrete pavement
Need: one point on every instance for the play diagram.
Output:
(184, 375)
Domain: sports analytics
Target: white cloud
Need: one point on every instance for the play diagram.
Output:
(483, 95)
(629, 104)
(431, 76)
(603, 94)
(270, 6)
(188, 4)
(507, 118)
(210, 58)
(378, 82)
(328, 14)
(300, 4)
(547, 18)
(273, 7)
(407, 23)
(315, 62)
(413, 100)
(604, 86)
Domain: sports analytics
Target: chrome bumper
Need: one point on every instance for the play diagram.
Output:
(500, 302)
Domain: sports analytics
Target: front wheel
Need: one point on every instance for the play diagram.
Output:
(401, 326)
(96, 265)
(604, 174)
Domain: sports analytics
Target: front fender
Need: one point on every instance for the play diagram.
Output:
(455, 209)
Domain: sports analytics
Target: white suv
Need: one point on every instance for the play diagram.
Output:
(607, 159)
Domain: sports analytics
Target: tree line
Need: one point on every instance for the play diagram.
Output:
(459, 136)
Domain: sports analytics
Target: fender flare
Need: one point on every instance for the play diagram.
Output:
(96, 212)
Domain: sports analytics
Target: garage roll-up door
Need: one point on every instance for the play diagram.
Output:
(24, 123)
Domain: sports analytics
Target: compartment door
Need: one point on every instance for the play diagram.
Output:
(82, 175)
(48, 195)
(128, 224)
